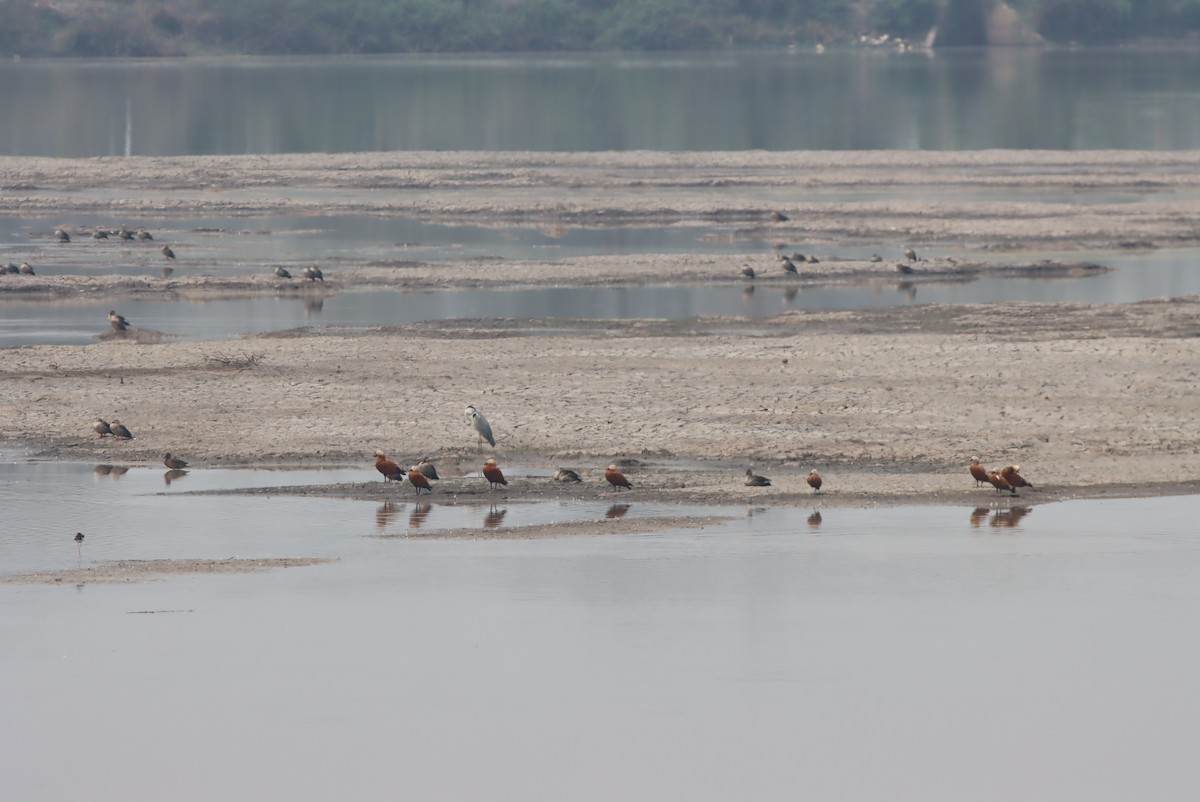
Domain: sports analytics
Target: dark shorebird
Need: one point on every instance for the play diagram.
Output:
(100, 233)
(789, 266)
(10, 268)
(910, 254)
(100, 426)
(418, 480)
(119, 431)
(144, 235)
(281, 272)
(174, 463)
(493, 474)
(779, 217)
(747, 271)
(25, 269)
(814, 480)
(389, 469)
(903, 268)
(313, 273)
(79, 537)
(876, 258)
(118, 322)
(124, 233)
(754, 480)
(428, 469)
(165, 251)
(616, 478)
(566, 475)
(61, 235)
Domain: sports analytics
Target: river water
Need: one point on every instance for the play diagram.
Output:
(923, 653)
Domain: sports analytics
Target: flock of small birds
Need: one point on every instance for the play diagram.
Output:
(788, 263)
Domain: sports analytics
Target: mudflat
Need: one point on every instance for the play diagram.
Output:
(888, 404)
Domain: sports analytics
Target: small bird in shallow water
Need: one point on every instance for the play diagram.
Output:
(167, 252)
(1000, 483)
(61, 235)
(79, 537)
(418, 480)
(281, 272)
(119, 431)
(566, 475)
(100, 426)
(481, 425)
(977, 472)
(1013, 478)
(754, 480)
(910, 254)
(313, 273)
(747, 271)
(814, 480)
(616, 478)
(174, 463)
(389, 469)
(118, 322)
(428, 469)
(493, 474)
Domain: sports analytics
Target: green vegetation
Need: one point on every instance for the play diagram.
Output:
(178, 27)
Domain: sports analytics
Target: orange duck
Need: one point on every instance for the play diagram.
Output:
(493, 474)
(389, 469)
(814, 480)
(1000, 483)
(616, 478)
(977, 472)
(418, 480)
(1013, 478)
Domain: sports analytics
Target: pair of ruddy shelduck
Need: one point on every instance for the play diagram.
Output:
(1008, 478)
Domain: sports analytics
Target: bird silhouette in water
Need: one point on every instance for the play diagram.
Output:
(481, 426)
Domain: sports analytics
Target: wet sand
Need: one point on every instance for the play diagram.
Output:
(889, 405)
(119, 571)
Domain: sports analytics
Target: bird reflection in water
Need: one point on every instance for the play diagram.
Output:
(416, 518)
(173, 475)
(102, 470)
(616, 511)
(814, 520)
(384, 515)
(313, 306)
(909, 289)
(977, 516)
(1009, 518)
(494, 517)
(790, 294)
(118, 471)
(167, 272)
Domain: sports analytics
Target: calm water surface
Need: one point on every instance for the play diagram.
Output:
(1001, 98)
(911, 653)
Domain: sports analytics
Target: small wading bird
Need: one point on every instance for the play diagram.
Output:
(910, 254)
(481, 426)
(493, 474)
(754, 480)
(61, 235)
(281, 272)
(313, 273)
(789, 266)
(418, 480)
(165, 250)
(118, 322)
(389, 469)
(119, 431)
(616, 478)
(79, 537)
(566, 475)
(977, 472)
(100, 426)
(427, 469)
(747, 271)
(1015, 479)
(814, 480)
(144, 235)
(1000, 483)
(174, 463)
